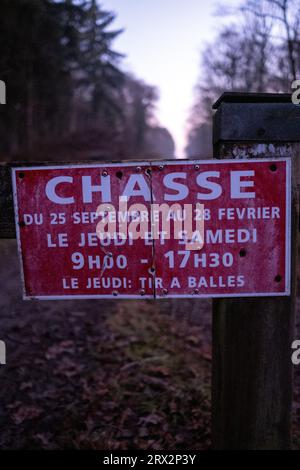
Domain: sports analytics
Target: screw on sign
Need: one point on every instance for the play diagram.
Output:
(159, 229)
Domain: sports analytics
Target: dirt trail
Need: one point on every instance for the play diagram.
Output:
(95, 374)
(106, 374)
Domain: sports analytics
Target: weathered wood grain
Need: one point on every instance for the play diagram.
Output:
(252, 369)
(7, 223)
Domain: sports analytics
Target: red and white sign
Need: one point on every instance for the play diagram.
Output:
(240, 210)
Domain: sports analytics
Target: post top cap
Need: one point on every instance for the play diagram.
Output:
(238, 97)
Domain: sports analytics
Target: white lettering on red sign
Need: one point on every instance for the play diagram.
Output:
(241, 246)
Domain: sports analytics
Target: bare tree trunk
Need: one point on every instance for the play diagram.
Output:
(290, 43)
(29, 116)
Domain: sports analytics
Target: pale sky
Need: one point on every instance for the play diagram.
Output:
(162, 41)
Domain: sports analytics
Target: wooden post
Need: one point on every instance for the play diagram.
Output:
(252, 368)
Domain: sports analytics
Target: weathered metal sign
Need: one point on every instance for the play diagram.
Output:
(154, 229)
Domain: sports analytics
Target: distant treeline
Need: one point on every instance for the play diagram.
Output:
(66, 90)
(256, 50)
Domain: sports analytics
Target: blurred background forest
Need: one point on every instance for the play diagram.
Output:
(116, 374)
(257, 50)
(67, 96)
(67, 90)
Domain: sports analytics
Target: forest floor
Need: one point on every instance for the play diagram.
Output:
(106, 374)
